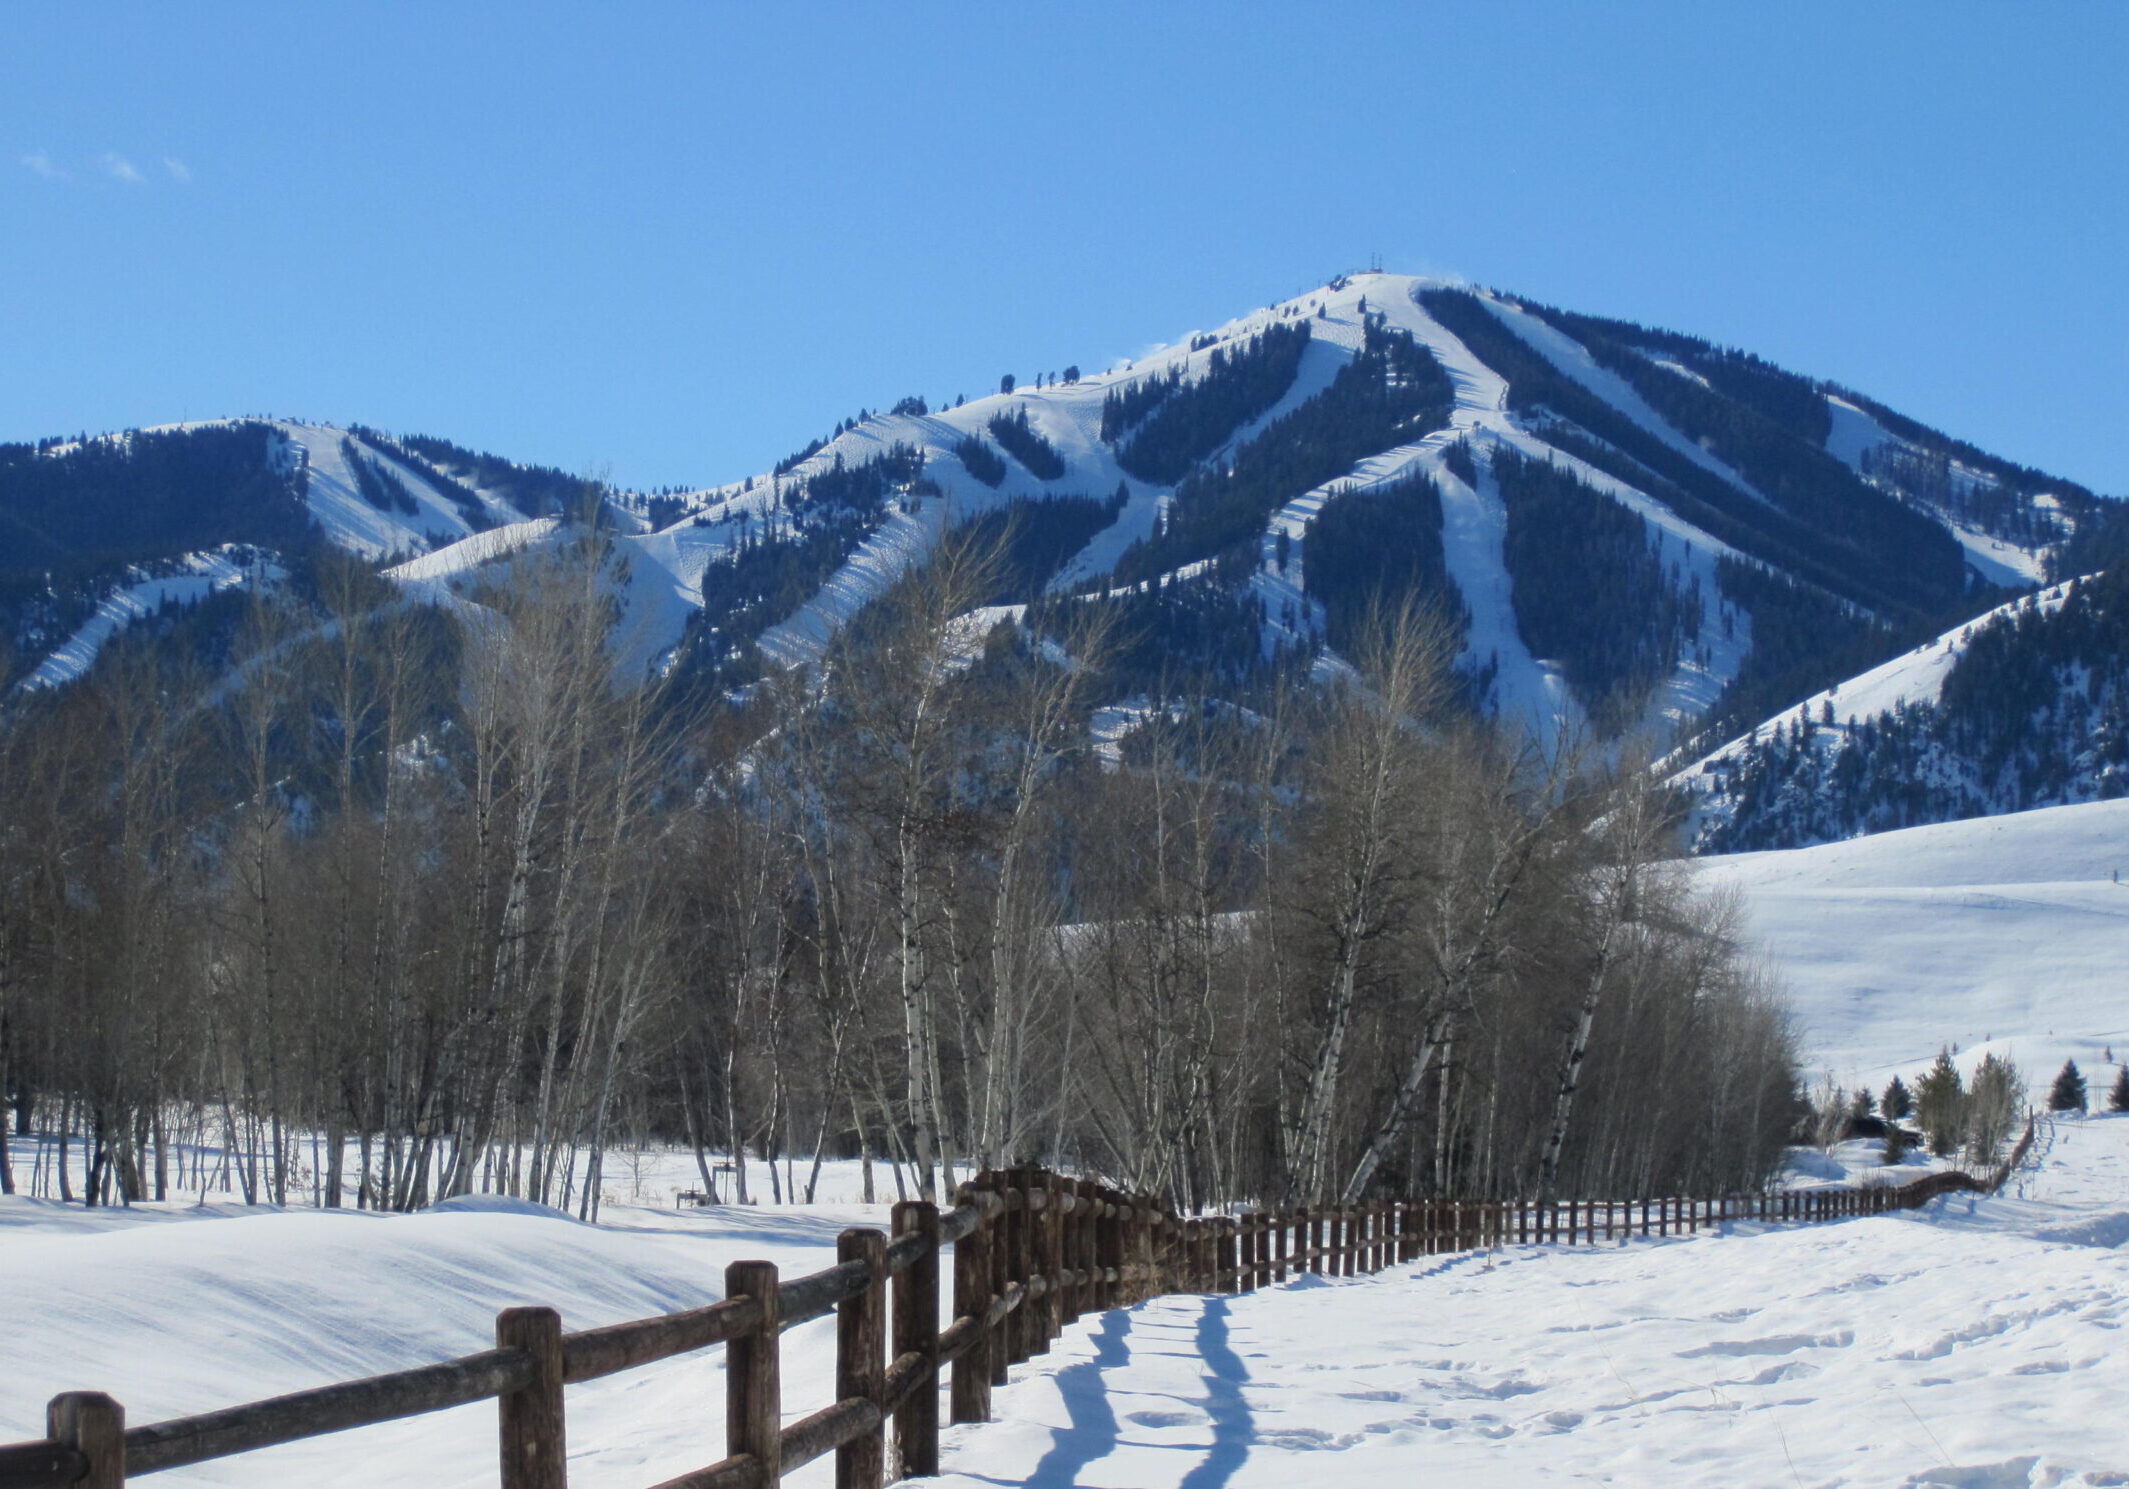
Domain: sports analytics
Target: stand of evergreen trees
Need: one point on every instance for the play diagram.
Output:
(1392, 392)
(1870, 533)
(2035, 712)
(1123, 408)
(377, 483)
(980, 460)
(1025, 443)
(1035, 537)
(1591, 589)
(1889, 560)
(97, 504)
(1370, 550)
(1193, 419)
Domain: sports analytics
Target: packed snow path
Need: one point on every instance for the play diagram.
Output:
(1975, 1343)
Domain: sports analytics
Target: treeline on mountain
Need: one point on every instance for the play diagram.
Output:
(862, 487)
(784, 559)
(377, 483)
(100, 503)
(1802, 637)
(1912, 557)
(1923, 580)
(1026, 444)
(2033, 713)
(1371, 550)
(409, 452)
(1035, 537)
(1782, 397)
(535, 490)
(1932, 477)
(1200, 635)
(435, 889)
(1122, 408)
(1392, 392)
(1194, 419)
(1591, 588)
(2024, 479)
(2099, 538)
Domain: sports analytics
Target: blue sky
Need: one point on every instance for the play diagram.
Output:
(671, 242)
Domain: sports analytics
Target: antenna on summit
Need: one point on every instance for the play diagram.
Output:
(1374, 263)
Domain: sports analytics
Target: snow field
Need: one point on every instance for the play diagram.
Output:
(1975, 1343)
(2007, 934)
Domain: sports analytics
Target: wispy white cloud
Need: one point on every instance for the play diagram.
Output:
(37, 163)
(179, 171)
(118, 168)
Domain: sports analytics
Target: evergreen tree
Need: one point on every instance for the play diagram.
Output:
(2118, 1098)
(2068, 1093)
(1940, 1106)
(1898, 1104)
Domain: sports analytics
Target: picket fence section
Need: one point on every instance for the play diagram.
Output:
(1031, 1252)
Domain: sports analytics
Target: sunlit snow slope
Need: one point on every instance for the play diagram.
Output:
(2001, 933)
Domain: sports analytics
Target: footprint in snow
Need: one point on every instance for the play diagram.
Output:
(2012, 1473)
(1779, 1344)
(1164, 1418)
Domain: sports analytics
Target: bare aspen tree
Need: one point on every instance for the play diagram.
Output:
(1370, 772)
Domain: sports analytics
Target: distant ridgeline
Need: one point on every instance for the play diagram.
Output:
(2034, 712)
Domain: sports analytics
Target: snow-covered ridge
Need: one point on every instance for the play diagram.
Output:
(1914, 677)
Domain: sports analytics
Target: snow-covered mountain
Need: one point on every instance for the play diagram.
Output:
(1625, 527)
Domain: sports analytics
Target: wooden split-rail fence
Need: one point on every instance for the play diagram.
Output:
(1031, 1252)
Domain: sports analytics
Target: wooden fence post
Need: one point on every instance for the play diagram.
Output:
(1053, 1260)
(93, 1425)
(998, 1235)
(753, 1388)
(1281, 1223)
(534, 1451)
(1315, 1239)
(916, 1332)
(861, 1362)
(1020, 1229)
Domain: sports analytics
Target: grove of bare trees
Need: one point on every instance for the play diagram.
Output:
(364, 899)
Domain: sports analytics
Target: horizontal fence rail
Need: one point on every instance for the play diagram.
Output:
(1031, 1252)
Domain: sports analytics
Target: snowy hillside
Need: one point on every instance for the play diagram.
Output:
(2022, 707)
(2003, 933)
